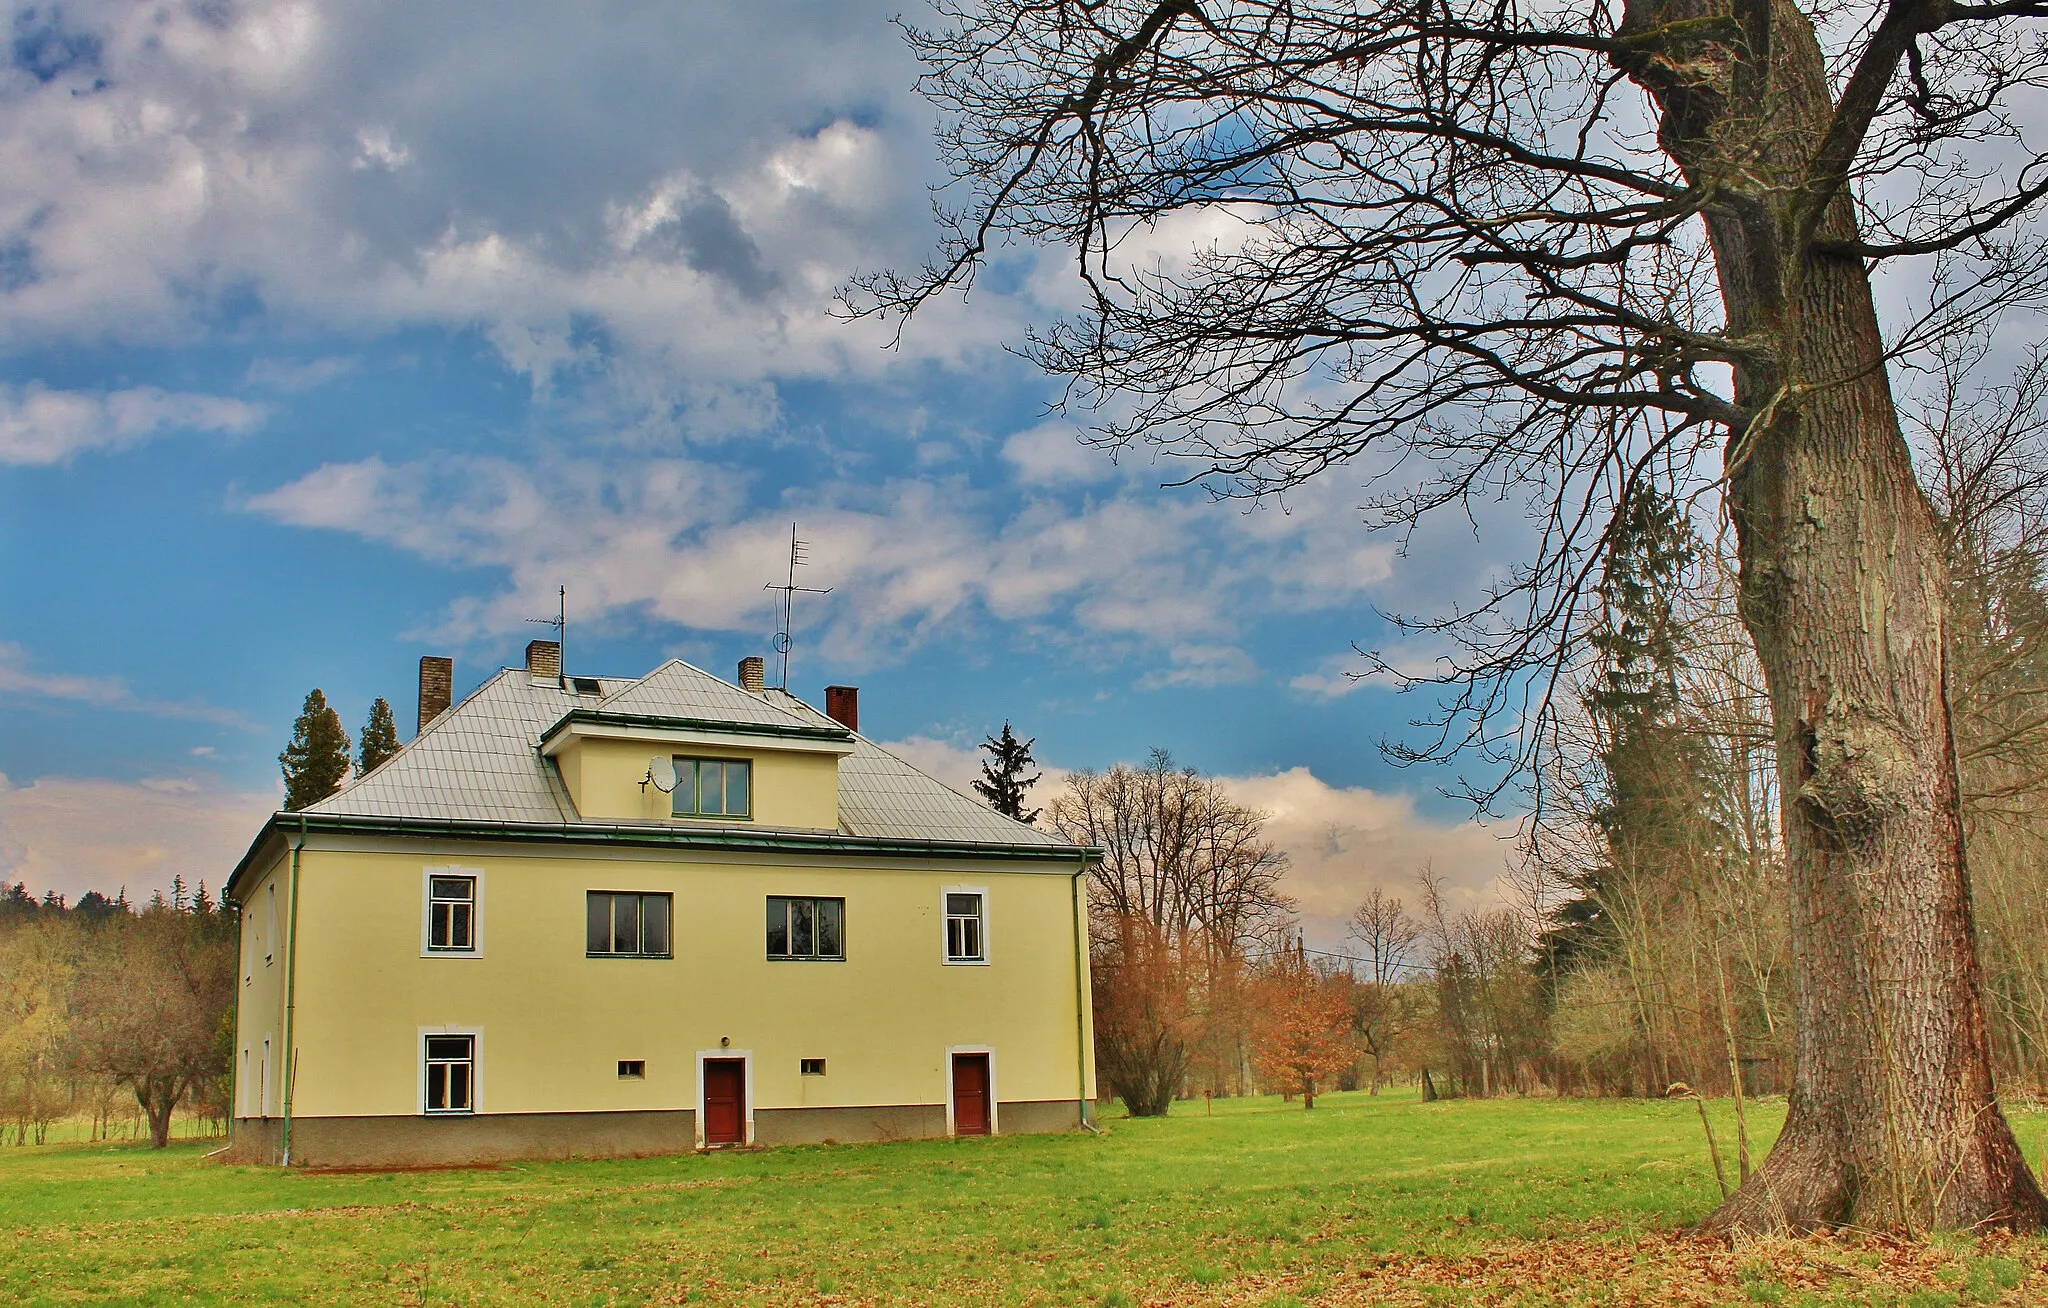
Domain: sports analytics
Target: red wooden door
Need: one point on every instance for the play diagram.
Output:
(970, 1094)
(725, 1101)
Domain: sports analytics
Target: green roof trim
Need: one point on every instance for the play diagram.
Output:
(287, 825)
(600, 718)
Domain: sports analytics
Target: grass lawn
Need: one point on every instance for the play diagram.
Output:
(1387, 1200)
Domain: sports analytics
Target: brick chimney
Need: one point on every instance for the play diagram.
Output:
(544, 659)
(842, 705)
(753, 674)
(437, 688)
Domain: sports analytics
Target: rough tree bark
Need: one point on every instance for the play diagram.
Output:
(1893, 1119)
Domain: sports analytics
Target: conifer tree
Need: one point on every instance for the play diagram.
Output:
(1003, 782)
(380, 738)
(1654, 814)
(316, 760)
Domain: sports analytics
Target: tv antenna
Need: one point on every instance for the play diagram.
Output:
(790, 590)
(560, 622)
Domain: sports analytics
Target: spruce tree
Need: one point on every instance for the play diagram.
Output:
(316, 761)
(380, 737)
(1655, 811)
(1003, 782)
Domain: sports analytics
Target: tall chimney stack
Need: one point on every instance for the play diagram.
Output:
(544, 659)
(842, 705)
(753, 674)
(437, 688)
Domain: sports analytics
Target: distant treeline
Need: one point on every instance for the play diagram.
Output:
(17, 903)
(102, 1003)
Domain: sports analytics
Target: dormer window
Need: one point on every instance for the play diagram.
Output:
(713, 787)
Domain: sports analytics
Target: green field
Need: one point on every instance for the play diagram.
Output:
(1361, 1201)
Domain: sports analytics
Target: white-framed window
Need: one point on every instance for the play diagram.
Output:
(451, 1067)
(263, 1082)
(966, 917)
(452, 912)
(270, 923)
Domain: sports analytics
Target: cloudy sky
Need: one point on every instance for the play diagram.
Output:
(335, 335)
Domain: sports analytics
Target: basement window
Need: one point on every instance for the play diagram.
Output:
(810, 1066)
(632, 1069)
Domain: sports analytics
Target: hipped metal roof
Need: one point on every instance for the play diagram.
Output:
(477, 772)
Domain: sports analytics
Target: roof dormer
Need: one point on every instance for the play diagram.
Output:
(635, 767)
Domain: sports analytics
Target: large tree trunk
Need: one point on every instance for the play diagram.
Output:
(159, 1096)
(1893, 1120)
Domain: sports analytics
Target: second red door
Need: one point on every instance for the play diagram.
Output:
(725, 1101)
(970, 1094)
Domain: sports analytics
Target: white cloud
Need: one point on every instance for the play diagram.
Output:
(21, 683)
(673, 539)
(1341, 841)
(1201, 665)
(1052, 453)
(1334, 677)
(42, 426)
(73, 834)
(494, 167)
(293, 375)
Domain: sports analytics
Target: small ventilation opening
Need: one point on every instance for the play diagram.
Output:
(587, 685)
(811, 1066)
(632, 1069)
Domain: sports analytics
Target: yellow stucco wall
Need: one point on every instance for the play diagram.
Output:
(791, 789)
(555, 1023)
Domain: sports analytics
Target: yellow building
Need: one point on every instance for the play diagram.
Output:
(584, 916)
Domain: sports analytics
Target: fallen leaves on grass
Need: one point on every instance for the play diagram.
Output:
(1670, 1271)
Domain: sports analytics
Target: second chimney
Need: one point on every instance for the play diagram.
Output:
(437, 688)
(753, 674)
(544, 659)
(842, 705)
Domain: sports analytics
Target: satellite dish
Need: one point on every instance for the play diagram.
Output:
(661, 770)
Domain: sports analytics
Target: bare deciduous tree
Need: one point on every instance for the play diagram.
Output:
(1178, 853)
(38, 972)
(1188, 885)
(149, 1009)
(1387, 938)
(1554, 253)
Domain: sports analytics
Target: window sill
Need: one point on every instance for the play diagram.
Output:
(711, 817)
(640, 957)
(448, 1112)
(451, 953)
(806, 958)
(966, 962)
